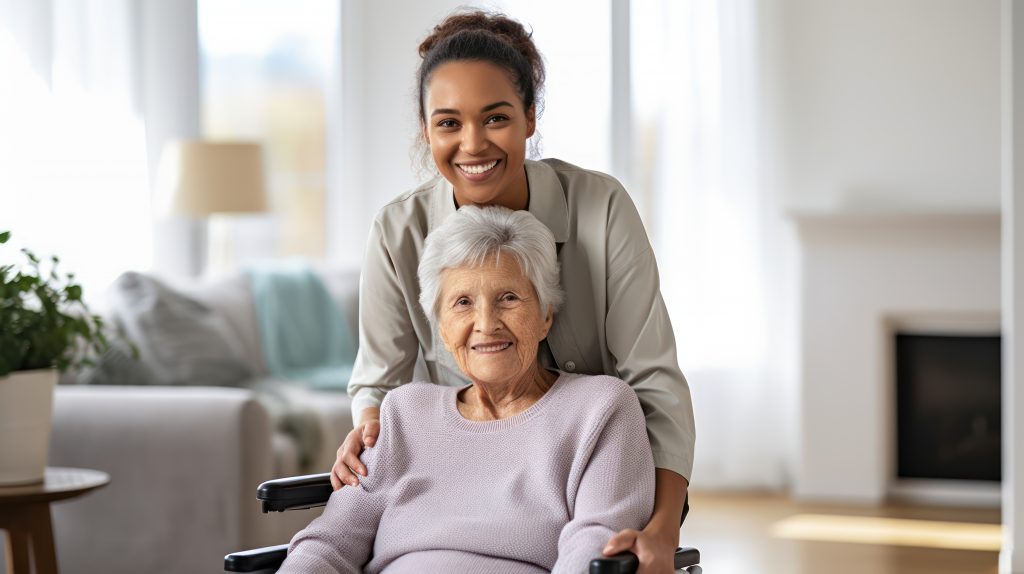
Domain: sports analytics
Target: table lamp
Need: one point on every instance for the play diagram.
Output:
(213, 180)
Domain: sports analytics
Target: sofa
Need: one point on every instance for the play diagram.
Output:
(186, 459)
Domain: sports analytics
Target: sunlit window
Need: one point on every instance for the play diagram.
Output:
(266, 67)
(575, 40)
(73, 170)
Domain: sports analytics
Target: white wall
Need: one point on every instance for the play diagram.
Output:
(877, 106)
(880, 105)
(378, 114)
(1011, 558)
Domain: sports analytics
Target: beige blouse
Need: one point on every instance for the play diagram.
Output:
(613, 320)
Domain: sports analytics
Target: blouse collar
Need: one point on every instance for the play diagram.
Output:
(547, 200)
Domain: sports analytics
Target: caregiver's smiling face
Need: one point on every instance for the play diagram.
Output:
(477, 129)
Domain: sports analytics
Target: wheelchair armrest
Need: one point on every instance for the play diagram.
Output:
(621, 563)
(295, 493)
(267, 559)
(685, 557)
(627, 563)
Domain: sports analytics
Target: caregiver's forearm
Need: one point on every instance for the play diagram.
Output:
(669, 496)
(368, 414)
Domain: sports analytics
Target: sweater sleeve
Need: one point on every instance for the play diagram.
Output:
(340, 541)
(616, 488)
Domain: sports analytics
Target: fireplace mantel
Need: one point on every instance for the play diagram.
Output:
(862, 273)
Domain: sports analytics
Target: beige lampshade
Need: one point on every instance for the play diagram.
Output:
(202, 178)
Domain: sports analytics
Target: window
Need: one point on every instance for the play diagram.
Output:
(73, 179)
(265, 71)
(575, 40)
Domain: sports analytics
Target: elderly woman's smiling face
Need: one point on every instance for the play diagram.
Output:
(491, 321)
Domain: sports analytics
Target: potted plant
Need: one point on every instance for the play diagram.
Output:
(45, 329)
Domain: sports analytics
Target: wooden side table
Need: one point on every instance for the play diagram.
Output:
(25, 515)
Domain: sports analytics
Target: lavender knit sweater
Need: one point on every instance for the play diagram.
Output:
(540, 491)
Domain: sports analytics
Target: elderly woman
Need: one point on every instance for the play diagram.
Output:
(523, 470)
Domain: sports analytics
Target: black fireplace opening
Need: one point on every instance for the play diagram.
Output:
(948, 414)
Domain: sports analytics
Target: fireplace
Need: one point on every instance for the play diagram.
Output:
(864, 280)
(948, 416)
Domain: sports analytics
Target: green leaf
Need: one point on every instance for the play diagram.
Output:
(30, 255)
(4, 236)
(25, 282)
(44, 321)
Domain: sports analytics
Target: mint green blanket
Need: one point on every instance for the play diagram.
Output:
(304, 335)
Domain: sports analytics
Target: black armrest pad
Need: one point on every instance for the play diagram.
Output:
(295, 493)
(686, 556)
(622, 563)
(267, 558)
(627, 563)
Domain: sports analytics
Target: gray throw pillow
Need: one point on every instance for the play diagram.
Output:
(117, 366)
(180, 340)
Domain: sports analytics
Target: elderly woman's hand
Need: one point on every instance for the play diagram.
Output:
(654, 552)
(347, 463)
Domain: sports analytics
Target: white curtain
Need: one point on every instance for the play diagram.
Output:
(73, 165)
(725, 264)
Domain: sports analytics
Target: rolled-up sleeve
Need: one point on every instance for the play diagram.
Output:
(388, 344)
(640, 338)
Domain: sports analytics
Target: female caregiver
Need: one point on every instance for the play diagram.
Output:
(479, 85)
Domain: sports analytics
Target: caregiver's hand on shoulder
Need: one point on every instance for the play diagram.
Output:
(347, 464)
(655, 553)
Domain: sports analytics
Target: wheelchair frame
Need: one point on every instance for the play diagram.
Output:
(308, 491)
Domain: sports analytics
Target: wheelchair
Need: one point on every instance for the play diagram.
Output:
(300, 492)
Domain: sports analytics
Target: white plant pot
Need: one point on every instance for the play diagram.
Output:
(26, 411)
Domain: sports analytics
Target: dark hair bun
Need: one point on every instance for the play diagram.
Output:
(485, 36)
(500, 25)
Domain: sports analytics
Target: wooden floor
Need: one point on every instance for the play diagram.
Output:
(733, 533)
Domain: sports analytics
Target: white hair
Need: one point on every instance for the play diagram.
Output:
(473, 234)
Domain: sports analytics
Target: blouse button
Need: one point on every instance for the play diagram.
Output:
(570, 366)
